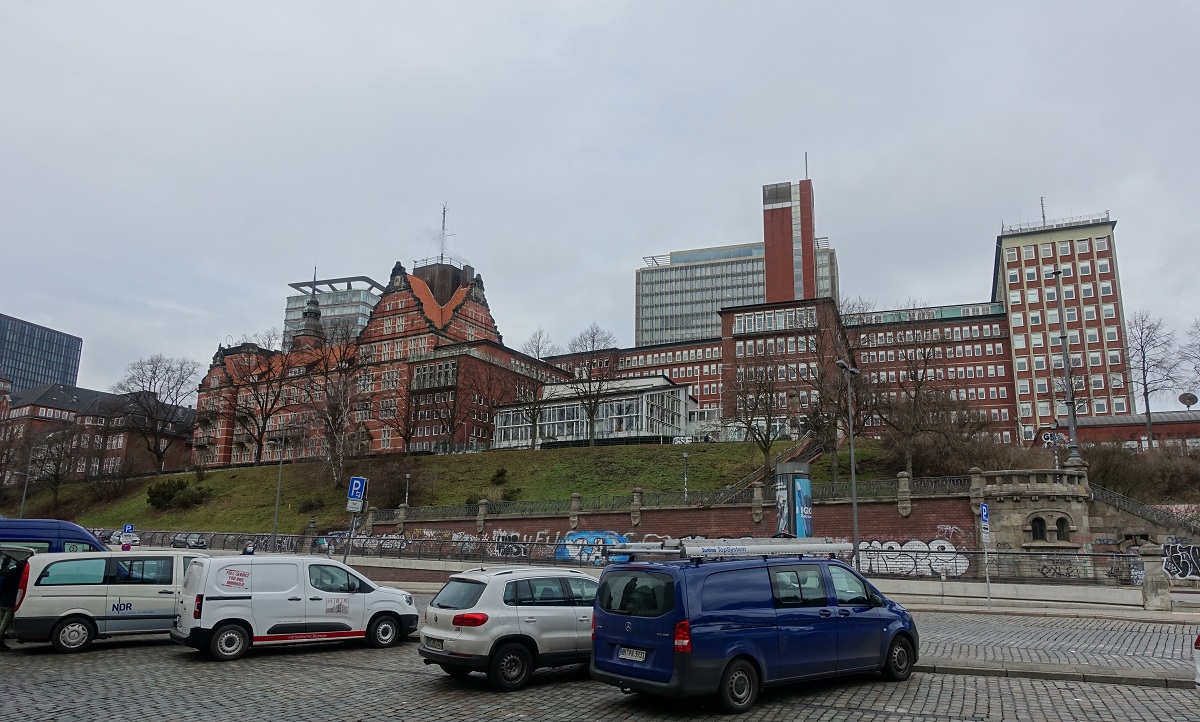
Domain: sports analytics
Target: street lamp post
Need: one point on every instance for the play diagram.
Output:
(278, 489)
(850, 372)
(685, 494)
(407, 478)
(1073, 458)
(25, 490)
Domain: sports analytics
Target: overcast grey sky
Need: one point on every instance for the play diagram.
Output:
(166, 169)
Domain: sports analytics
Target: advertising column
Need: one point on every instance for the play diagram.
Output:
(793, 499)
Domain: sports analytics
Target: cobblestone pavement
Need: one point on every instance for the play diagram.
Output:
(1057, 640)
(146, 680)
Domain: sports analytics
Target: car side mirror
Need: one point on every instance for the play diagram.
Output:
(876, 600)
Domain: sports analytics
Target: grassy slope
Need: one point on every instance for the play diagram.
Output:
(244, 499)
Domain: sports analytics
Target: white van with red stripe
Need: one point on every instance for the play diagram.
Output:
(228, 604)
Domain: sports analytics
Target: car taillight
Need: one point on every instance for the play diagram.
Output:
(199, 606)
(22, 586)
(1195, 645)
(683, 637)
(593, 627)
(470, 619)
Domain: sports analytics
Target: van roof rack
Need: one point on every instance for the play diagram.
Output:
(701, 548)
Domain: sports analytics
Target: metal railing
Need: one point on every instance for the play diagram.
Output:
(874, 489)
(457, 511)
(1003, 566)
(542, 506)
(1162, 517)
(913, 561)
(608, 502)
(940, 486)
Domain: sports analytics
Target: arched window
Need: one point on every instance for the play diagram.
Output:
(1038, 525)
(1064, 529)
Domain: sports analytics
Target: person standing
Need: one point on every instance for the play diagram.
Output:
(9, 584)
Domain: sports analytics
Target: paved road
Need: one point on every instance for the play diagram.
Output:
(149, 679)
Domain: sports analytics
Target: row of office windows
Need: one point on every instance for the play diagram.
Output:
(1063, 248)
(1050, 315)
(1095, 359)
(1083, 407)
(1030, 273)
(1050, 293)
(950, 333)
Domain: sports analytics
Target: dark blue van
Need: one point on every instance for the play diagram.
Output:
(49, 535)
(730, 625)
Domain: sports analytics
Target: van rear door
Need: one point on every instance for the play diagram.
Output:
(635, 617)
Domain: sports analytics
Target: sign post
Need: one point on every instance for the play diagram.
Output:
(987, 540)
(356, 495)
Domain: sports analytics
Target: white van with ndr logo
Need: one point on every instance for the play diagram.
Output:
(72, 599)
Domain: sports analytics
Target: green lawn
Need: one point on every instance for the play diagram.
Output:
(243, 499)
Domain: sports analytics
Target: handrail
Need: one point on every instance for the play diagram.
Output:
(1162, 517)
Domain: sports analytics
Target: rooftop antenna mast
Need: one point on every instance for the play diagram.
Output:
(442, 250)
(1043, 211)
(806, 165)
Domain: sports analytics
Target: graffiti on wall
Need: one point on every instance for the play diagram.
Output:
(1181, 561)
(913, 558)
(589, 546)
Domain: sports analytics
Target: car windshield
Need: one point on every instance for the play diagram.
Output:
(458, 594)
(636, 593)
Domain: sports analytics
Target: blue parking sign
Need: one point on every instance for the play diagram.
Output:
(983, 513)
(128, 529)
(357, 488)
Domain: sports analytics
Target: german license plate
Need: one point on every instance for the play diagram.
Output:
(433, 643)
(633, 655)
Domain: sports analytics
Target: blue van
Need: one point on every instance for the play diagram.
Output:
(49, 535)
(734, 616)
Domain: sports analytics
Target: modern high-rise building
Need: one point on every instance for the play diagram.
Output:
(33, 355)
(678, 295)
(794, 254)
(344, 301)
(1062, 275)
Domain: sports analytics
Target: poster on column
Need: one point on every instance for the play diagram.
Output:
(802, 503)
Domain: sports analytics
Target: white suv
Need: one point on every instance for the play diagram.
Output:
(509, 621)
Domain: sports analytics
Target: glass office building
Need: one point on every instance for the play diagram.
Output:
(678, 295)
(33, 355)
(344, 301)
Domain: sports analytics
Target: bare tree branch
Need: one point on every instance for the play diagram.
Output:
(1153, 360)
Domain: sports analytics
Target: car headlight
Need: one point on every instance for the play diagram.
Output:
(408, 598)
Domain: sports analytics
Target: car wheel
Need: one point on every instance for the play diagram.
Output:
(510, 668)
(456, 672)
(898, 665)
(384, 631)
(73, 635)
(229, 642)
(739, 687)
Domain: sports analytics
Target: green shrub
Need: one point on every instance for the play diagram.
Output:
(161, 495)
(500, 476)
(310, 504)
(510, 493)
(191, 496)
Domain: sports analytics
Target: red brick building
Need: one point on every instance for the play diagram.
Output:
(76, 433)
(425, 374)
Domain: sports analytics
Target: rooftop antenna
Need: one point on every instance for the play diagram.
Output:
(1043, 211)
(442, 251)
(806, 165)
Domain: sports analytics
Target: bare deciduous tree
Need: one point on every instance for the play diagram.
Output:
(337, 392)
(1153, 360)
(539, 345)
(256, 393)
(488, 386)
(758, 387)
(157, 389)
(57, 456)
(593, 351)
(1189, 356)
